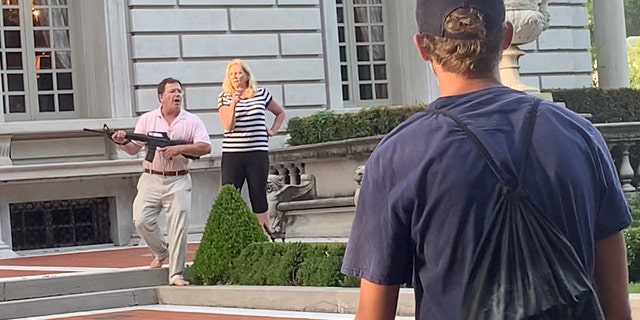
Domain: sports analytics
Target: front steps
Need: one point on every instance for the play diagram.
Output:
(58, 294)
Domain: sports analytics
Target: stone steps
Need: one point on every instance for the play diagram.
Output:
(80, 292)
(306, 299)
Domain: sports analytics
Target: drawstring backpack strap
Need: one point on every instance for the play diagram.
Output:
(489, 158)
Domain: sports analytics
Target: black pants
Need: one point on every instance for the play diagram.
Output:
(252, 166)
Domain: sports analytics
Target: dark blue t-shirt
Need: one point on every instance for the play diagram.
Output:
(427, 194)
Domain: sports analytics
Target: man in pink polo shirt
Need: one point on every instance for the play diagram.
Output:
(166, 183)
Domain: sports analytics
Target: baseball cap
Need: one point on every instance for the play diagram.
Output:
(431, 15)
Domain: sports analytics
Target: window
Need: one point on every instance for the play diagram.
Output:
(36, 62)
(363, 52)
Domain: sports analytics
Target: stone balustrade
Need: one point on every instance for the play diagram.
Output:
(621, 137)
(336, 162)
(337, 168)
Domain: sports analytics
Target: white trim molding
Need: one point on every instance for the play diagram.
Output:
(118, 53)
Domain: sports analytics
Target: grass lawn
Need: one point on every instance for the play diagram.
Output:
(634, 287)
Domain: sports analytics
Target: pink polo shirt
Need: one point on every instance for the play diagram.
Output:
(187, 126)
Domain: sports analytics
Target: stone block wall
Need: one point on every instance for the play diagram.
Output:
(193, 40)
(560, 57)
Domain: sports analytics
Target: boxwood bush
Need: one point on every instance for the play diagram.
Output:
(230, 228)
(292, 264)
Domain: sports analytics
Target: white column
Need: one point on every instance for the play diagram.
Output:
(119, 61)
(5, 229)
(415, 82)
(332, 56)
(610, 44)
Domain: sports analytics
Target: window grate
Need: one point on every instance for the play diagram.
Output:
(59, 223)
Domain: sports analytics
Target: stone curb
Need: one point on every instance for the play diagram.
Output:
(77, 302)
(306, 299)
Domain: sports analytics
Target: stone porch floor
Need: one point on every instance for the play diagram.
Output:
(95, 260)
(110, 259)
(131, 258)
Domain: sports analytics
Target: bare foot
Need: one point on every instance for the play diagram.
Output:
(180, 282)
(267, 233)
(157, 263)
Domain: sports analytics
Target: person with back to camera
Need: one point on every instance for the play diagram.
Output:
(242, 109)
(165, 184)
(424, 207)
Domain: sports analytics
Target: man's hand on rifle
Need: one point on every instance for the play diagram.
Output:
(119, 136)
(171, 152)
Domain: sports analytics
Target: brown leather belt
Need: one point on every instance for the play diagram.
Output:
(167, 173)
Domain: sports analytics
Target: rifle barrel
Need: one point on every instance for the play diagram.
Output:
(96, 131)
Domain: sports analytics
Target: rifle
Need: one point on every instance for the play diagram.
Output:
(152, 141)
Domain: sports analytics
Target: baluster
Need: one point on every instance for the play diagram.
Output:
(273, 170)
(625, 170)
(283, 172)
(292, 173)
(299, 171)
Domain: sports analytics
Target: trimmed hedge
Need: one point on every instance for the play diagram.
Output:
(230, 228)
(292, 264)
(610, 105)
(605, 105)
(326, 126)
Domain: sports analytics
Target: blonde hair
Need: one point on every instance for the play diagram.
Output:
(227, 87)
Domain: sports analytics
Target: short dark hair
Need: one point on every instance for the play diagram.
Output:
(432, 15)
(477, 58)
(166, 81)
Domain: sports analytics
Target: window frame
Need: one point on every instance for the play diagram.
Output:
(352, 64)
(30, 82)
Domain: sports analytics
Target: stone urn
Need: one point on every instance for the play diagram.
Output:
(529, 18)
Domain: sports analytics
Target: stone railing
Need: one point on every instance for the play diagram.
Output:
(620, 138)
(313, 188)
(301, 205)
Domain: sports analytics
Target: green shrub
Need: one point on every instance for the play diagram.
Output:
(610, 105)
(634, 206)
(382, 120)
(321, 267)
(632, 239)
(231, 227)
(326, 126)
(633, 55)
(291, 264)
(272, 264)
(605, 105)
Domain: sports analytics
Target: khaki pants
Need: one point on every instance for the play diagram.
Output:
(171, 195)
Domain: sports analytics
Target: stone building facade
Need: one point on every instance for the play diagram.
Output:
(74, 64)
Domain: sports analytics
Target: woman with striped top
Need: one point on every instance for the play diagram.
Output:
(242, 109)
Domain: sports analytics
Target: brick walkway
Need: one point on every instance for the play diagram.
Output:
(111, 259)
(95, 260)
(156, 315)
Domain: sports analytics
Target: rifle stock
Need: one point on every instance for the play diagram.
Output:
(152, 142)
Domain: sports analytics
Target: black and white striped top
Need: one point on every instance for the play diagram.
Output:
(250, 131)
